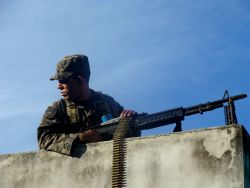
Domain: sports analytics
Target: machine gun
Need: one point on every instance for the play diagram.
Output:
(148, 121)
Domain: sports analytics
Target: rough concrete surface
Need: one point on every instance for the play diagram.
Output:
(207, 158)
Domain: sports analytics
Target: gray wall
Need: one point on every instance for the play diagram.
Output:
(207, 158)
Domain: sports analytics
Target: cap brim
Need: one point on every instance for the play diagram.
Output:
(61, 76)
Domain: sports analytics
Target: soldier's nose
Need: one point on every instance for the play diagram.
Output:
(59, 86)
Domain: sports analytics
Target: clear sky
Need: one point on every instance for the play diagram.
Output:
(149, 55)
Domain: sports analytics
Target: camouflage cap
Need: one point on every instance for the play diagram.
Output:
(74, 64)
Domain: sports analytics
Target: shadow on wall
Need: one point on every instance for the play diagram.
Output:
(78, 150)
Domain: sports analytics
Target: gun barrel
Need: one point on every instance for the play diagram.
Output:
(211, 105)
(236, 97)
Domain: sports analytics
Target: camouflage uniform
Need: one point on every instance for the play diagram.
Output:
(57, 131)
(64, 120)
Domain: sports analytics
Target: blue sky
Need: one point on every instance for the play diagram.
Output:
(149, 55)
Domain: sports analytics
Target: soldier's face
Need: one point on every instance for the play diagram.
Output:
(70, 89)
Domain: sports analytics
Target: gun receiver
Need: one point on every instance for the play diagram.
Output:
(148, 121)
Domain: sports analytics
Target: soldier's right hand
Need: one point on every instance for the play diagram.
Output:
(90, 136)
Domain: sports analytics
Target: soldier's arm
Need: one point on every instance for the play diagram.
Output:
(118, 110)
(115, 107)
(51, 134)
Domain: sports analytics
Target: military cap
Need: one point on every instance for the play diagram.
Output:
(72, 65)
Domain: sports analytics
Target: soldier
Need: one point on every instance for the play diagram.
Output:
(80, 105)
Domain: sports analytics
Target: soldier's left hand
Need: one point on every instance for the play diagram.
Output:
(128, 113)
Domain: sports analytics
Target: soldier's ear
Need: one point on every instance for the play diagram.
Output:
(79, 80)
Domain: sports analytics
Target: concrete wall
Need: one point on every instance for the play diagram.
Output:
(207, 158)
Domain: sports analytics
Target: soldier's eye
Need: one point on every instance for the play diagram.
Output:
(63, 81)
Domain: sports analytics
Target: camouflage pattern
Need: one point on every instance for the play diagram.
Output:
(57, 132)
(73, 64)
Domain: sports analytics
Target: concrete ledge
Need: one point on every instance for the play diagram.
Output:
(208, 158)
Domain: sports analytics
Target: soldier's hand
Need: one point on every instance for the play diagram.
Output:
(90, 136)
(128, 113)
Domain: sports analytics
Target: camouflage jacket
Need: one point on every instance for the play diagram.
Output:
(56, 131)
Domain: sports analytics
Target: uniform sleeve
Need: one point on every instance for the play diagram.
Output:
(51, 135)
(117, 109)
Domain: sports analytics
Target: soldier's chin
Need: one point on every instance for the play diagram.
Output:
(66, 97)
(69, 98)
